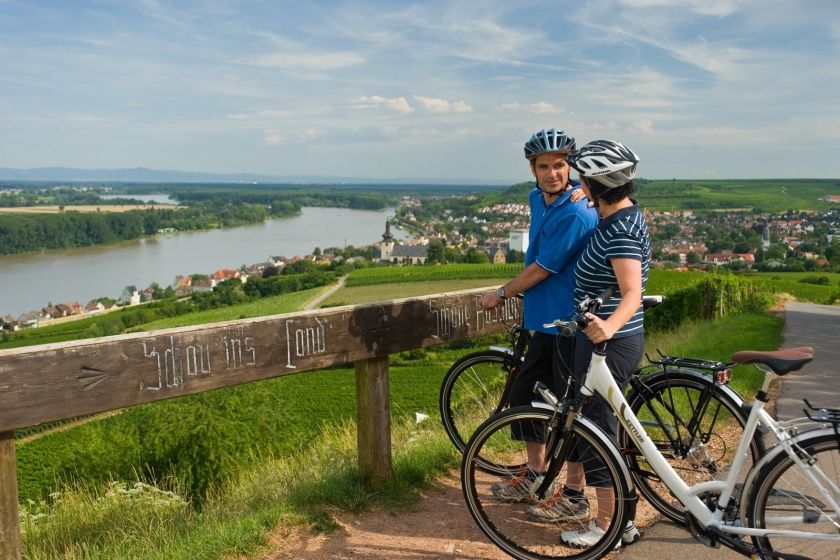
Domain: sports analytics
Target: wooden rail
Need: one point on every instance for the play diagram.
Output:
(60, 381)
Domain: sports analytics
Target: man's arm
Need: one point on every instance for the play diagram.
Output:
(531, 276)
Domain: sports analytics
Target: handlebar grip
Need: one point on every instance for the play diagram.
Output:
(606, 294)
(569, 330)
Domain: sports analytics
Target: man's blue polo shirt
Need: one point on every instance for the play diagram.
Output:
(557, 236)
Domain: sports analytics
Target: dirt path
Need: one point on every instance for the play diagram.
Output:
(327, 293)
(439, 528)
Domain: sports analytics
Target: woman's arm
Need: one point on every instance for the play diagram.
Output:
(628, 273)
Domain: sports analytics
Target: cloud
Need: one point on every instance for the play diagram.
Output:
(309, 61)
(720, 8)
(436, 105)
(268, 114)
(834, 30)
(641, 127)
(398, 104)
(271, 138)
(543, 108)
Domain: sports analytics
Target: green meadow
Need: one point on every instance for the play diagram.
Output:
(760, 195)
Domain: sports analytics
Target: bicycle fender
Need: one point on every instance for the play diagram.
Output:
(725, 389)
(502, 350)
(603, 438)
(613, 448)
(777, 450)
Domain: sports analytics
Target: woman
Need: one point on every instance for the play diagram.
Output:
(617, 256)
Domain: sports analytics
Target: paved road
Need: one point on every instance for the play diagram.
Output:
(805, 325)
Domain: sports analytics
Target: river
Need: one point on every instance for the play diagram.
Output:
(29, 282)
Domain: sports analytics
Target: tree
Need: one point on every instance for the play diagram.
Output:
(475, 256)
(514, 256)
(436, 252)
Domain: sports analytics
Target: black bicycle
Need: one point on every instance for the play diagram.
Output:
(684, 404)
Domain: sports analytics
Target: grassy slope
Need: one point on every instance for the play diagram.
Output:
(767, 195)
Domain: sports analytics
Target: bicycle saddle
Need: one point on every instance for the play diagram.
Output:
(780, 361)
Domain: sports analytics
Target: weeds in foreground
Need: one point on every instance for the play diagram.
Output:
(141, 521)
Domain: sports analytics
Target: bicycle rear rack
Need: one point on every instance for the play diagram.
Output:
(824, 416)
(697, 363)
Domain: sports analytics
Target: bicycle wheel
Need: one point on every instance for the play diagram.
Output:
(471, 392)
(509, 523)
(697, 434)
(785, 497)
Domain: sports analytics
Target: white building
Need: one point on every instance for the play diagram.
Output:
(518, 240)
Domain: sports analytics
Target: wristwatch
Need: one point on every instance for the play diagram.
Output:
(501, 293)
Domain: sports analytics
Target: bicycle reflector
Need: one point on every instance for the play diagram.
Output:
(722, 376)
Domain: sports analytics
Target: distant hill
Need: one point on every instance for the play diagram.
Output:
(146, 175)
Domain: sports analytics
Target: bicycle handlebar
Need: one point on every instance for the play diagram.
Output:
(580, 320)
(591, 305)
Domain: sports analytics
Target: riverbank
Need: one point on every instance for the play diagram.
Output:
(33, 279)
(86, 208)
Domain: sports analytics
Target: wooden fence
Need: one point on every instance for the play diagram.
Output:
(61, 381)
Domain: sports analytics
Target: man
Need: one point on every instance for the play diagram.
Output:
(561, 224)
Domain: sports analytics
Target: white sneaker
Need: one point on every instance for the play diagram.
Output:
(631, 534)
(594, 533)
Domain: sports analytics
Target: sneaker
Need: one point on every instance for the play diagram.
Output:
(514, 489)
(594, 533)
(586, 539)
(558, 508)
(631, 534)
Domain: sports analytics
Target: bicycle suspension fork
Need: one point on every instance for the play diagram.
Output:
(559, 440)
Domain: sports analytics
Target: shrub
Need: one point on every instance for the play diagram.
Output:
(713, 297)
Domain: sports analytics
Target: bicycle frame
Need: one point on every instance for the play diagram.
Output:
(599, 380)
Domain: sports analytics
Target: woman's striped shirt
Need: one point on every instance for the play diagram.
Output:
(623, 235)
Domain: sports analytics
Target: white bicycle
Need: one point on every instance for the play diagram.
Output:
(785, 505)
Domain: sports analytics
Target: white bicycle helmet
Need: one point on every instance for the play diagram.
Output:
(608, 162)
(547, 142)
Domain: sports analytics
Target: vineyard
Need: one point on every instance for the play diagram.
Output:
(426, 273)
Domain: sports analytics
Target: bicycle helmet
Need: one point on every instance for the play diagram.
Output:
(607, 162)
(547, 142)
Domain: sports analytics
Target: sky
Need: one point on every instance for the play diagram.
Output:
(433, 89)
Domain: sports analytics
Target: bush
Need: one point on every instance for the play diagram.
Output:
(820, 280)
(713, 297)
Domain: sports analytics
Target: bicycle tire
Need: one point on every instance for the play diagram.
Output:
(470, 394)
(664, 403)
(784, 497)
(506, 524)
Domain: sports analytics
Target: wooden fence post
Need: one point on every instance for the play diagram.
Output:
(9, 515)
(373, 407)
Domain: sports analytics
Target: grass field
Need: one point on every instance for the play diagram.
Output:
(398, 290)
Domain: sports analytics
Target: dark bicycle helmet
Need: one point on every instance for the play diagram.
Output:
(607, 162)
(549, 141)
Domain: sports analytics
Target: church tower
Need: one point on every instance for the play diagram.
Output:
(386, 246)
